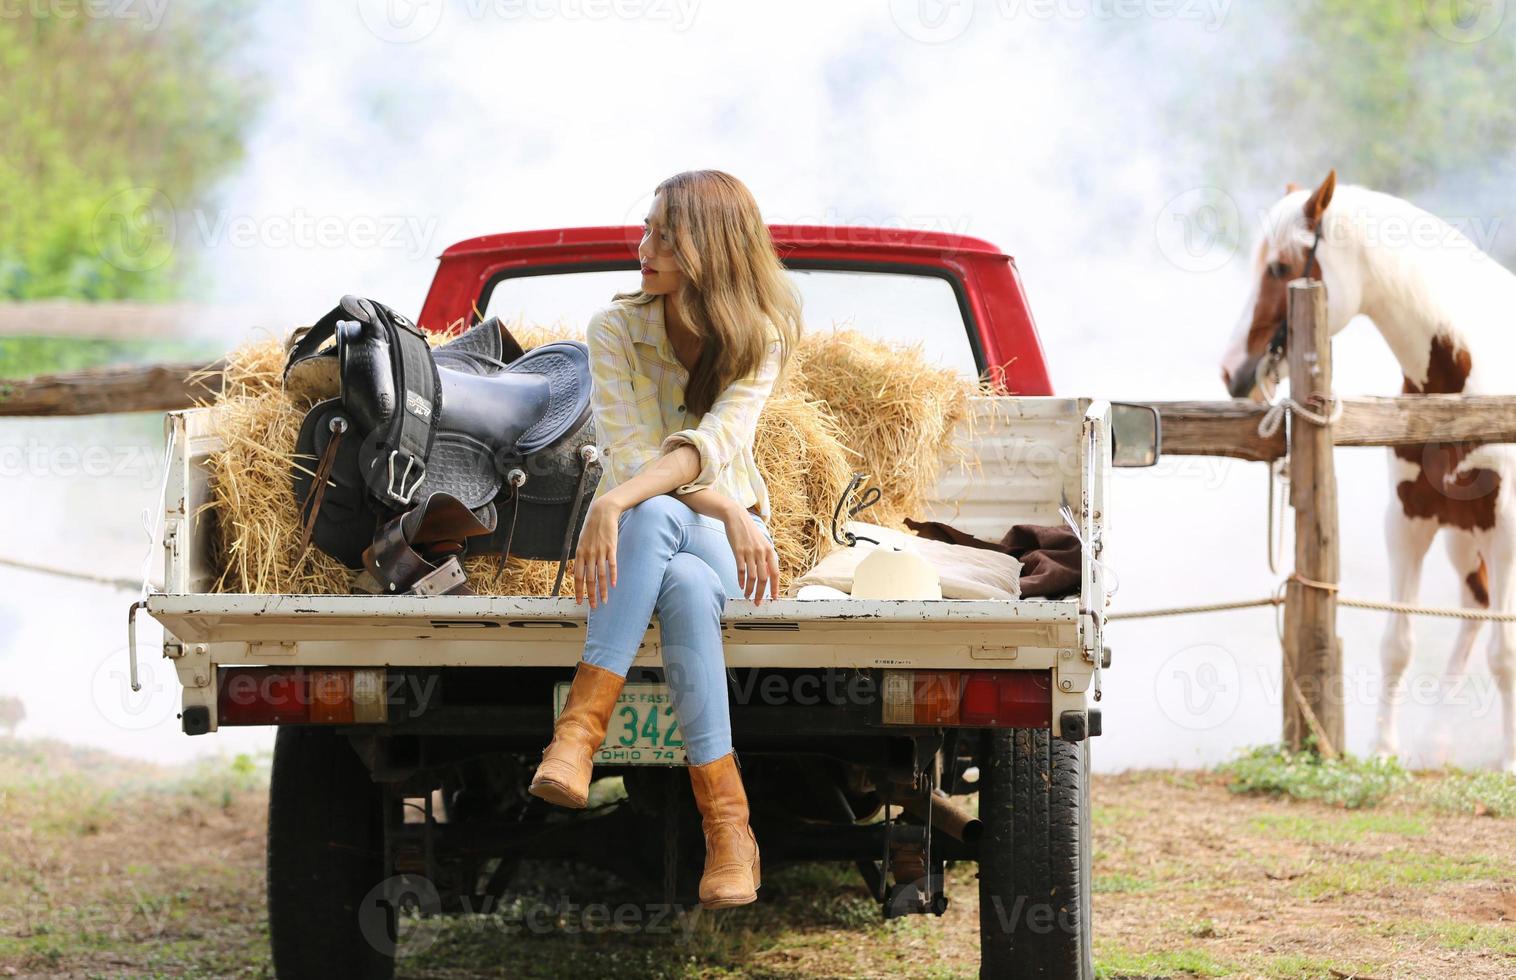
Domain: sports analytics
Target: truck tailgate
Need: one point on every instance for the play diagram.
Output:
(361, 630)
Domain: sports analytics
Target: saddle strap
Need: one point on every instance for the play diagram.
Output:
(416, 553)
(505, 552)
(587, 455)
(318, 488)
(407, 444)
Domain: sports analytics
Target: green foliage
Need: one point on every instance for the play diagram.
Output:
(112, 126)
(1406, 98)
(1392, 94)
(1345, 781)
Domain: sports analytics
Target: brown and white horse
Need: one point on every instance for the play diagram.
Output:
(1448, 313)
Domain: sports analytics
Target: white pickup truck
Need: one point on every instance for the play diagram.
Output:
(860, 723)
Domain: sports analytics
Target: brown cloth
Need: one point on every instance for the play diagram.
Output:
(1049, 554)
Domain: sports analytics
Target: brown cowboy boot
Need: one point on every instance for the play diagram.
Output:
(731, 851)
(563, 777)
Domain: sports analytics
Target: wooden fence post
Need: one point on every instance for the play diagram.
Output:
(1312, 689)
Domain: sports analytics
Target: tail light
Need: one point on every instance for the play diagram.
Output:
(285, 696)
(969, 698)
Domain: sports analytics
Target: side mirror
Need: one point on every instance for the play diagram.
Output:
(1135, 434)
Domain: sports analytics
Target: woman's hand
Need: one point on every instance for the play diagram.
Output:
(595, 561)
(757, 562)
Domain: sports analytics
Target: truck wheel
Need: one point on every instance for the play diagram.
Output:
(1034, 857)
(325, 860)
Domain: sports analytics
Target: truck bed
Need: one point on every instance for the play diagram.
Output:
(1026, 456)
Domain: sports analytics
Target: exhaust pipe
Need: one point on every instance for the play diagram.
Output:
(948, 816)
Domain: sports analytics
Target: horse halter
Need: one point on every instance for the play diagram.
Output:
(1282, 332)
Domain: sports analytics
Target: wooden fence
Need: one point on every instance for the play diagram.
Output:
(1312, 656)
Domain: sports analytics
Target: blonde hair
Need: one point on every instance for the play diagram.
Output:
(734, 284)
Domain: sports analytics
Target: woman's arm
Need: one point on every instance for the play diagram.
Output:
(729, 426)
(659, 475)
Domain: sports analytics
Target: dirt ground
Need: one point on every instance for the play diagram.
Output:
(112, 868)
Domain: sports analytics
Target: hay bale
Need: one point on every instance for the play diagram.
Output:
(894, 412)
(848, 403)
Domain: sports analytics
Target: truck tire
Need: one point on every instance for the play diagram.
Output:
(325, 860)
(1034, 857)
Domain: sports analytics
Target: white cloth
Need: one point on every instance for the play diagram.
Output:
(966, 573)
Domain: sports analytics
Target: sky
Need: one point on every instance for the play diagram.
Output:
(394, 129)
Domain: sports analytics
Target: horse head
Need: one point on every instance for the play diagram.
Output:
(1297, 242)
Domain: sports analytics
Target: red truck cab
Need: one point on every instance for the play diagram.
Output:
(1000, 333)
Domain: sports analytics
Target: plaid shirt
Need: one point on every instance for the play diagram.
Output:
(638, 401)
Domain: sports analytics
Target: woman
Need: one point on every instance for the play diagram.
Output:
(681, 510)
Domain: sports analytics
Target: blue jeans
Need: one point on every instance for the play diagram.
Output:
(678, 563)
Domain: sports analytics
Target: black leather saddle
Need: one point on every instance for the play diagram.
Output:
(477, 427)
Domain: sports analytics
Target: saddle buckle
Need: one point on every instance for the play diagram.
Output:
(403, 495)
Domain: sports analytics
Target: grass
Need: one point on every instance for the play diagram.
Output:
(1483, 794)
(1355, 783)
(1296, 967)
(1119, 964)
(112, 867)
(1448, 934)
(1315, 828)
(1398, 868)
(27, 356)
(1273, 770)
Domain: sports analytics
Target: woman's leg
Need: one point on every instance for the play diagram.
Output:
(696, 585)
(649, 535)
(662, 552)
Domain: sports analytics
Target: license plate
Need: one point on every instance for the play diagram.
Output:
(642, 729)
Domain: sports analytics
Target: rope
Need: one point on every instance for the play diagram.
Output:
(1323, 744)
(1278, 404)
(1186, 610)
(1407, 608)
(1411, 609)
(125, 584)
